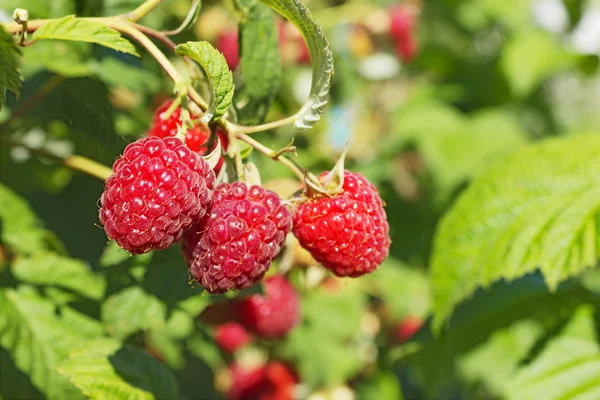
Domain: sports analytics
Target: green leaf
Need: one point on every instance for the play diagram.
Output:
(21, 229)
(130, 310)
(382, 385)
(10, 77)
(104, 370)
(331, 322)
(67, 59)
(82, 30)
(122, 74)
(52, 269)
(539, 208)
(38, 340)
(531, 57)
(568, 368)
(454, 147)
(260, 60)
(321, 58)
(494, 362)
(219, 76)
(404, 290)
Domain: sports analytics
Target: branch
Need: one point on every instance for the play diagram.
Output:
(75, 162)
(142, 10)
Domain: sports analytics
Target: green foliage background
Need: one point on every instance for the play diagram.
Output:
(486, 149)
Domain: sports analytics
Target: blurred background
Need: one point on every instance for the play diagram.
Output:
(427, 92)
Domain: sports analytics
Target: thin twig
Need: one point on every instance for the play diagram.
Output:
(75, 162)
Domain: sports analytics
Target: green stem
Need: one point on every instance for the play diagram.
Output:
(299, 171)
(238, 129)
(75, 162)
(142, 10)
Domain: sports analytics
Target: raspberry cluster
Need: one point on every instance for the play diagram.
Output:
(347, 233)
(159, 188)
(233, 246)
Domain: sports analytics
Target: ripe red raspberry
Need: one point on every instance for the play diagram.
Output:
(228, 44)
(233, 246)
(402, 22)
(407, 48)
(159, 189)
(273, 381)
(408, 327)
(231, 337)
(347, 233)
(195, 138)
(274, 314)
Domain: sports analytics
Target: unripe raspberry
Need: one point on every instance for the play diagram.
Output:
(195, 138)
(228, 44)
(231, 337)
(233, 246)
(348, 233)
(159, 189)
(273, 314)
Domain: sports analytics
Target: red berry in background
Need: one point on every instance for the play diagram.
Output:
(195, 138)
(246, 383)
(407, 48)
(347, 233)
(408, 327)
(231, 337)
(228, 44)
(273, 381)
(233, 246)
(402, 22)
(273, 314)
(159, 189)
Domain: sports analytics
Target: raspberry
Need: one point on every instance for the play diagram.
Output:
(246, 383)
(159, 189)
(195, 138)
(272, 315)
(347, 233)
(273, 381)
(407, 48)
(401, 22)
(408, 327)
(233, 246)
(231, 337)
(228, 44)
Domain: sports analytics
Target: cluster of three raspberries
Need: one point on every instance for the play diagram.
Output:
(162, 192)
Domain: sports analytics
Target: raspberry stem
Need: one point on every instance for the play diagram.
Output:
(277, 155)
(142, 10)
(75, 162)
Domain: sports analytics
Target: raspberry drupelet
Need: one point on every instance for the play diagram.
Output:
(347, 233)
(159, 188)
(233, 246)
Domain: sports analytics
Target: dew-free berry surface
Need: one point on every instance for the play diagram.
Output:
(233, 246)
(273, 314)
(231, 337)
(347, 233)
(196, 138)
(158, 189)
